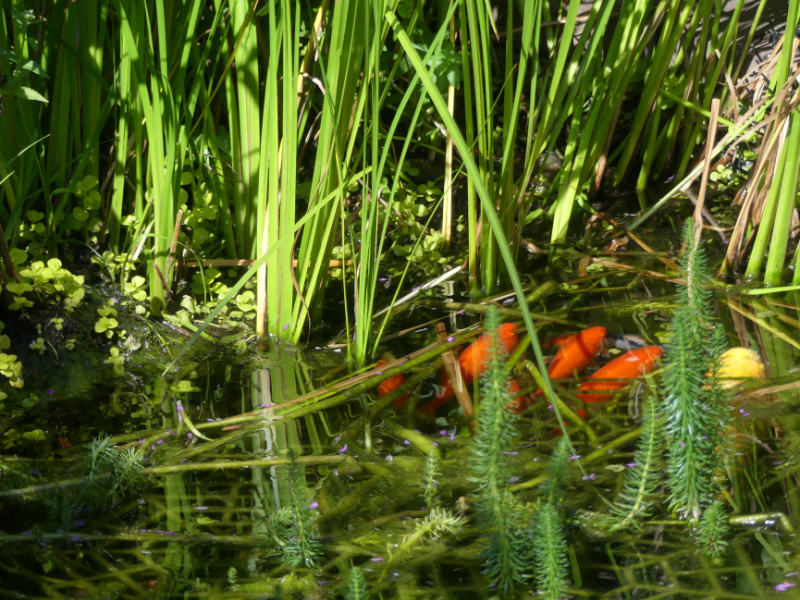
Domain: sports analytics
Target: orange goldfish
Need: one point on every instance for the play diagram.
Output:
(559, 341)
(474, 358)
(578, 353)
(622, 369)
(389, 385)
(472, 362)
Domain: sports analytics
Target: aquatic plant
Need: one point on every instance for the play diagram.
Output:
(357, 585)
(497, 512)
(438, 523)
(550, 552)
(557, 469)
(693, 408)
(713, 530)
(430, 476)
(642, 476)
(111, 474)
(293, 528)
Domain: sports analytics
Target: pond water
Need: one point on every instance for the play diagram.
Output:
(200, 528)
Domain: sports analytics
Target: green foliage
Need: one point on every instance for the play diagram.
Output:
(117, 362)
(643, 475)
(497, 511)
(357, 585)
(12, 368)
(550, 553)
(49, 283)
(111, 474)
(713, 530)
(294, 527)
(107, 322)
(692, 410)
(557, 469)
(430, 476)
(438, 523)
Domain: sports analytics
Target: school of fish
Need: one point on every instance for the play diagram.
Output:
(576, 353)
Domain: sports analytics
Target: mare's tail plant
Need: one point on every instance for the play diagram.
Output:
(643, 475)
(430, 477)
(693, 407)
(294, 527)
(549, 543)
(117, 473)
(357, 585)
(498, 513)
(713, 531)
(550, 553)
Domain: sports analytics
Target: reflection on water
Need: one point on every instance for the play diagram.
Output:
(201, 529)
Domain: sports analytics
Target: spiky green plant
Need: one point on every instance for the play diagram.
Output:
(557, 468)
(498, 514)
(430, 479)
(117, 473)
(294, 527)
(550, 553)
(357, 585)
(693, 405)
(713, 531)
(643, 474)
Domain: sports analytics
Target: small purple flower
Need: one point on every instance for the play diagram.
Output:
(163, 351)
(452, 437)
(180, 407)
(513, 479)
(323, 583)
(443, 432)
(189, 435)
(377, 559)
(314, 505)
(285, 327)
(26, 533)
(589, 477)
(79, 523)
(512, 453)
(152, 447)
(576, 457)
(265, 405)
(160, 442)
(51, 392)
(743, 412)
(406, 443)
(34, 472)
(782, 587)
(170, 431)
(210, 420)
(76, 538)
(451, 339)
(633, 464)
(142, 441)
(434, 443)
(141, 501)
(343, 449)
(337, 438)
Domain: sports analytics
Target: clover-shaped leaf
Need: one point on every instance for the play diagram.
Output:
(184, 386)
(105, 324)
